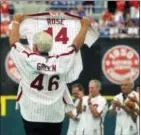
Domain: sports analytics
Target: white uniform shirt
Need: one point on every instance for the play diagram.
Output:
(42, 83)
(135, 94)
(90, 125)
(63, 27)
(74, 123)
(124, 122)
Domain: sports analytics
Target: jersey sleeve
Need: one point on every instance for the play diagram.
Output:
(18, 56)
(101, 106)
(65, 60)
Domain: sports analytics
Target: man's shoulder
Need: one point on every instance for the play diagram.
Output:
(101, 98)
(119, 95)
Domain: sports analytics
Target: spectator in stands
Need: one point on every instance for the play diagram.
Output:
(124, 122)
(134, 9)
(120, 7)
(93, 109)
(89, 7)
(80, 10)
(5, 11)
(5, 18)
(11, 9)
(4, 7)
(106, 19)
(77, 92)
(129, 22)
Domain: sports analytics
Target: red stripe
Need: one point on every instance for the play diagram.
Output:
(51, 56)
(100, 125)
(47, 13)
(19, 96)
(64, 101)
(14, 45)
(64, 54)
(28, 54)
(39, 14)
(78, 17)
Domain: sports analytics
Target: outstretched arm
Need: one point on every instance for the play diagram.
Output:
(14, 32)
(79, 39)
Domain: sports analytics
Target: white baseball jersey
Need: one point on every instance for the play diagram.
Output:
(74, 123)
(42, 86)
(63, 27)
(135, 94)
(124, 123)
(90, 125)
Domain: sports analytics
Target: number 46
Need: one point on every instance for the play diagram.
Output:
(61, 35)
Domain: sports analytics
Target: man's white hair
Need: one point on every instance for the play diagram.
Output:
(43, 41)
(97, 82)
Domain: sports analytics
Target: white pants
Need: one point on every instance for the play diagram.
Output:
(125, 131)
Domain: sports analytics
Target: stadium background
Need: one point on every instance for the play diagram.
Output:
(121, 31)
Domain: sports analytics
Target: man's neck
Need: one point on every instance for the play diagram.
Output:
(96, 95)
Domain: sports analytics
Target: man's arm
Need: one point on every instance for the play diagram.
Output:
(79, 39)
(14, 32)
(96, 110)
(92, 108)
(79, 106)
(123, 106)
(70, 114)
(112, 110)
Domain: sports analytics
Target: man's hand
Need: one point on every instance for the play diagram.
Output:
(116, 103)
(19, 18)
(85, 22)
(131, 104)
(133, 99)
(89, 98)
(80, 95)
(74, 118)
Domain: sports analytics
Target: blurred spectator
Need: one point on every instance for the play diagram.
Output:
(120, 7)
(89, 10)
(134, 9)
(129, 22)
(81, 11)
(4, 7)
(5, 18)
(11, 9)
(107, 19)
(4, 29)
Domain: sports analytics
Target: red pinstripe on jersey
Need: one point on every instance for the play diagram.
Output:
(19, 96)
(63, 54)
(48, 13)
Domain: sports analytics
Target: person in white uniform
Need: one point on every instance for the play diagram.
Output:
(125, 124)
(93, 109)
(133, 102)
(43, 85)
(77, 91)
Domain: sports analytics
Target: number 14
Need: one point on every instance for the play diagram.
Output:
(61, 35)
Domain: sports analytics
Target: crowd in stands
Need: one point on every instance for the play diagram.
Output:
(119, 14)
